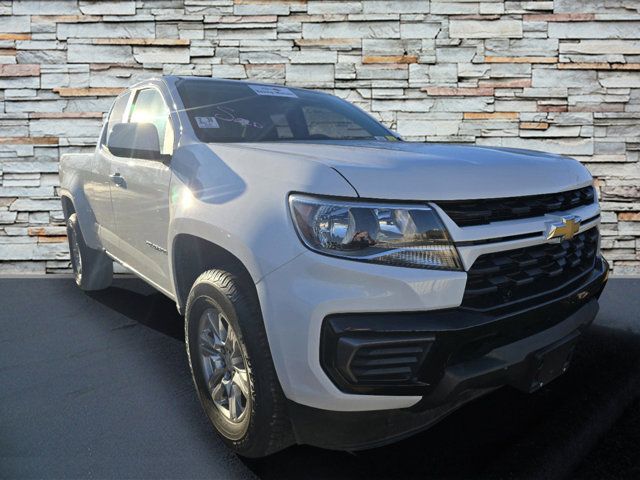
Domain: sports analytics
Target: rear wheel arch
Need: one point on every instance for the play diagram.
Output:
(68, 208)
(92, 268)
(74, 201)
(193, 255)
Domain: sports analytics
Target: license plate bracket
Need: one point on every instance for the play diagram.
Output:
(550, 362)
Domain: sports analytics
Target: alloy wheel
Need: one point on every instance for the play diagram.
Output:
(224, 366)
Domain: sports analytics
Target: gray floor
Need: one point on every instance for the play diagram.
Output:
(97, 386)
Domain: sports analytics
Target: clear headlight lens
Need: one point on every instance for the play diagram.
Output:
(407, 236)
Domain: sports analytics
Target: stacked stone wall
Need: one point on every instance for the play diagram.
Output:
(561, 76)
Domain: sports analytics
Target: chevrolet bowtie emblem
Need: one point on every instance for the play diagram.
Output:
(566, 229)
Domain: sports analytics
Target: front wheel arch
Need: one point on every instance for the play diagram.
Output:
(192, 255)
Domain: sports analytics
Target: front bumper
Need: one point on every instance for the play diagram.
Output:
(470, 354)
(297, 297)
(434, 354)
(300, 296)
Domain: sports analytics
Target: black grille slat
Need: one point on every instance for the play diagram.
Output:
(466, 213)
(502, 278)
(377, 362)
(393, 373)
(388, 362)
(387, 351)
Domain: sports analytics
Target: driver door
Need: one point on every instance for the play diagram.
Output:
(140, 194)
(98, 186)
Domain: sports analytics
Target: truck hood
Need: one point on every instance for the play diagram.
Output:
(421, 171)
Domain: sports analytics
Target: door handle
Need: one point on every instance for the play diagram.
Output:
(118, 180)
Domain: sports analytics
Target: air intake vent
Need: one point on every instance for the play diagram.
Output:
(479, 212)
(374, 360)
(387, 363)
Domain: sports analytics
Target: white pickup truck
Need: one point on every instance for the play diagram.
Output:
(341, 287)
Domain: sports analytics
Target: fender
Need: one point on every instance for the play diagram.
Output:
(216, 236)
(72, 183)
(215, 188)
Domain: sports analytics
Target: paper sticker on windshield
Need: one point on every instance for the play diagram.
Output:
(207, 122)
(272, 91)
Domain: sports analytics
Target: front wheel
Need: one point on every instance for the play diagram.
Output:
(92, 269)
(232, 367)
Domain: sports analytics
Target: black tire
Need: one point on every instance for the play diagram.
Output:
(266, 429)
(93, 269)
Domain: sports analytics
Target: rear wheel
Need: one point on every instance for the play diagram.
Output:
(92, 269)
(232, 367)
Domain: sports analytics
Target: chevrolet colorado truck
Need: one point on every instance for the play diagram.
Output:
(340, 287)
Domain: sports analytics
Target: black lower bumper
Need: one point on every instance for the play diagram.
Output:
(451, 357)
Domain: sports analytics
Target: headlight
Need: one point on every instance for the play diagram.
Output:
(402, 235)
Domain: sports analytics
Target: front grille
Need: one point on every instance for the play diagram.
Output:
(466, 213)
(499, 279)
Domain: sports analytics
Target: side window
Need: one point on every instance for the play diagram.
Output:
(116, 115)
(331, 124)
(281, 126)
(149, 107)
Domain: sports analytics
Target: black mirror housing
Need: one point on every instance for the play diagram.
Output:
(136, 140)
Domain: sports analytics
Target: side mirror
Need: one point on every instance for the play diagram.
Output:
(136, 140)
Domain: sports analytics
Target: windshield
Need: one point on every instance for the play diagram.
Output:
(244, 112)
